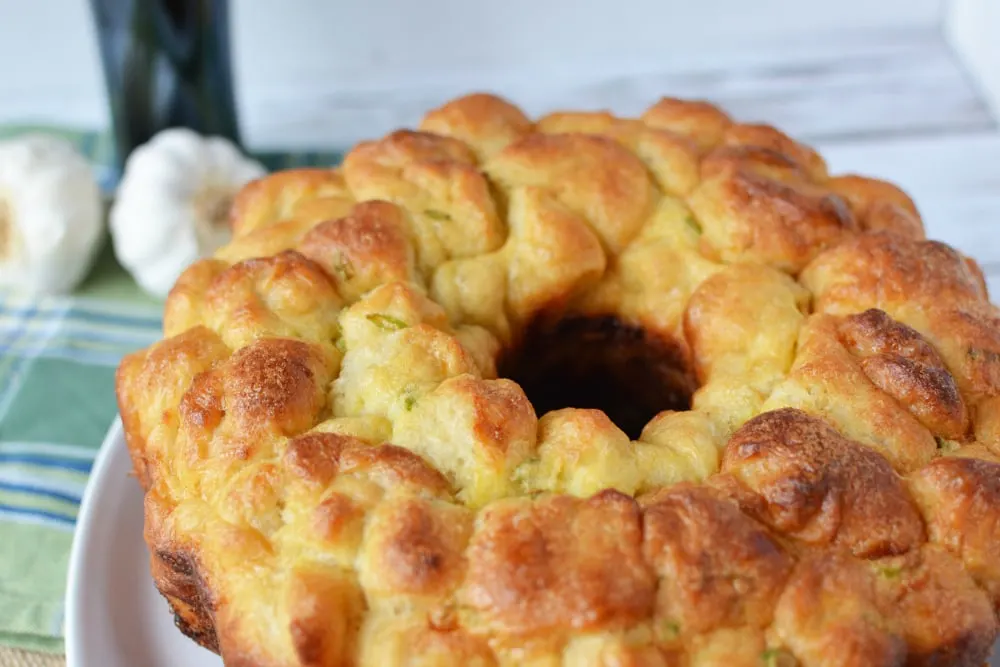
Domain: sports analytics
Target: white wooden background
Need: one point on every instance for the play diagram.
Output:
(874, 84)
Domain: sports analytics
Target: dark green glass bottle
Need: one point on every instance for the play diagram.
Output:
(166, 64)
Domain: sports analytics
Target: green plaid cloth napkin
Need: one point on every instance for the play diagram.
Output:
(57, 364)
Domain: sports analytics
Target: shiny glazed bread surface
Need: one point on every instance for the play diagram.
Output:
(335, 474)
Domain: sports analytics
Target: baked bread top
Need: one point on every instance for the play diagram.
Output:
(578, 391)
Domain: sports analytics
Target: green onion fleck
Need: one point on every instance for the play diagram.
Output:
(890, 571)
(343, 268)
(670, 630)
(523, 470)
(693, 224)
(946, 445)
(979, 354)
(341, 345)
(387, 322)
(409, 402)
(435, 214)
(776, 657)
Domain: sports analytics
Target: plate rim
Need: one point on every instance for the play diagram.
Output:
(78, 553)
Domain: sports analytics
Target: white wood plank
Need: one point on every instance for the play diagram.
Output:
(972, 27)
(319, 47)
(392, 43)
(819, 86)
(955, 181)
(51, 67)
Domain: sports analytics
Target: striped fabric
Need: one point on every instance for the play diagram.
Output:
(57, 363)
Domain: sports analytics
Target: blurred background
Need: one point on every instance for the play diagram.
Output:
(904, 90)
(312, 73)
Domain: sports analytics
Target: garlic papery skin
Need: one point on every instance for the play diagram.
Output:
(51, 217)
(172, 204)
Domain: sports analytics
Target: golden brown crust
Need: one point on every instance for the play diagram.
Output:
(879, 205)
(557, 564)
(486, 123)
(771, 139)
(805, 480)
(325, 606)
(182, 309)
(335, 475)
(415, 640)
(937, 609)
(938, 292)
(366, 249)
(764, 294)
(556, 246)
(828, 615)
(285, 234)
(475, 431)
(178, 576)
(273, 198)
(738, 369)
(884, 270)
(758, 204)
(436, 179)
(827, 380)
(987, 420)
(960, 501)
(282, 295)
(275, 383)
(415, 547)
(672, 160)
(716, 566)
(969, 341)
(150, 385)
(594, 176)
(318, 458)
(873, 333)
(202, 407)
(702, 122)
(900, 362)
(402, 148)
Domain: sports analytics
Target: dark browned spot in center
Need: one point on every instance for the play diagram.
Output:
(602, 363)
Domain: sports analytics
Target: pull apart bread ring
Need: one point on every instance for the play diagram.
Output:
(577, 391)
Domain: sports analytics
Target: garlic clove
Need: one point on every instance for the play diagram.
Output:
(51, 222)
(173, 203)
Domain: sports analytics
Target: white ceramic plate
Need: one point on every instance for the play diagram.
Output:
(114, 615)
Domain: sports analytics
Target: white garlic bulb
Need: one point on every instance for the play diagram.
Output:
(172, 204)
(51, 218)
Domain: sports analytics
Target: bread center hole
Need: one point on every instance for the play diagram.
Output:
(602, 363)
